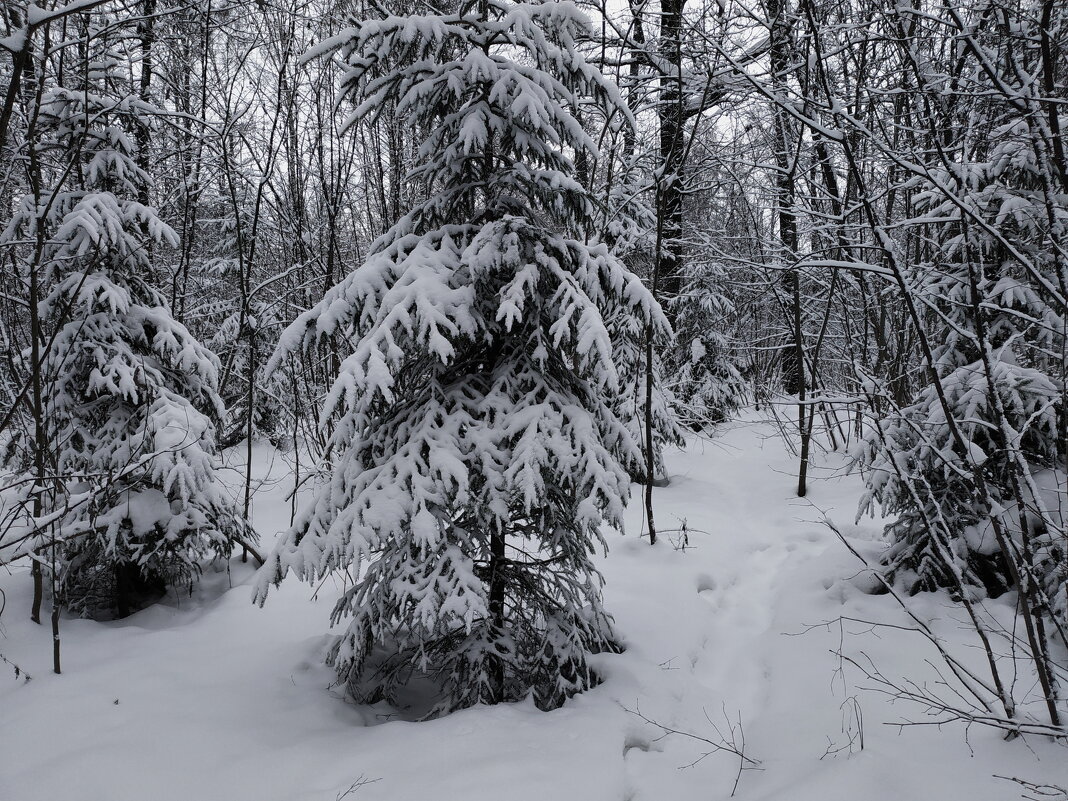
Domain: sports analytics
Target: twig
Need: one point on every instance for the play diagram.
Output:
(1041, 791)
(732, 744)
(362, 781)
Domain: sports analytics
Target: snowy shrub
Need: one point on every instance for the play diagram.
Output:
(913, 472)
(949, 477)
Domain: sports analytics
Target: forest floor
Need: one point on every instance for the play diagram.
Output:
(732, 638)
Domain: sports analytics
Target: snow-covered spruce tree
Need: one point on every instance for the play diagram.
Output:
(477, 450)
(703, 378)
(631, 353)
(913, 472)
(997, 366)
(130, 393)
(628, 226)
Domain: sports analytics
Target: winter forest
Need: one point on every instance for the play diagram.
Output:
(645, 400)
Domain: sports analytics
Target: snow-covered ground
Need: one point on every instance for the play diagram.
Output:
(209, 697)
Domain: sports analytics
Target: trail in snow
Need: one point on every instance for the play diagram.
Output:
(736, 495)
(211, 698)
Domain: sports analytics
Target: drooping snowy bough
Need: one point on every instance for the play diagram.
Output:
(476, 450)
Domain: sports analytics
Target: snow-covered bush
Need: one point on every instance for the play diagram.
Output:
(914, 473)
(991, 290)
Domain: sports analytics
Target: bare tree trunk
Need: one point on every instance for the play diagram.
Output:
(497, 585)
(786, 147)
(40, 435)
(146, 29)
(672, 117)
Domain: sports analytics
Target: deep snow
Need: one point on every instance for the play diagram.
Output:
(209, 697)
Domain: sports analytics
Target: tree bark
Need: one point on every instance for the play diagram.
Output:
(672, 117)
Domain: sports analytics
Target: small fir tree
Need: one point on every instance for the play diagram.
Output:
(131, 395)
(476, 440)
(994, 359)
(703, 378)
(627, 228)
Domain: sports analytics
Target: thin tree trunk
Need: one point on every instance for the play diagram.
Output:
(780, 57)
(671, 113)
(497, 584)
